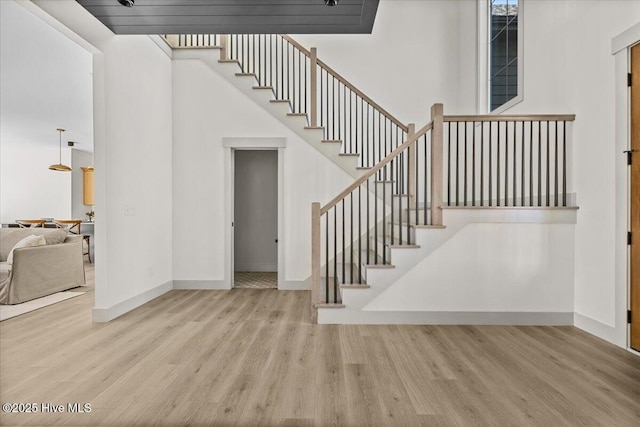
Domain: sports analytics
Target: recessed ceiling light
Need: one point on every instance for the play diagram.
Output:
(331, 2)
(128, 3)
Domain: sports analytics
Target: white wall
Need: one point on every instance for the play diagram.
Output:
(28, 189)
(569, 68)
(79, 159)
(202, 116)
(506, 267)
(133, 170)
(255, 210)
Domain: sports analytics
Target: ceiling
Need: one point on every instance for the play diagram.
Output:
(235, 16)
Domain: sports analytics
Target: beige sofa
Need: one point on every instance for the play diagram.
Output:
(41, 270)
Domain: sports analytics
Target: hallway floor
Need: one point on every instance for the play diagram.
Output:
(255, 280)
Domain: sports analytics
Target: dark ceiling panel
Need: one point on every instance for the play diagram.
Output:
(234, 17)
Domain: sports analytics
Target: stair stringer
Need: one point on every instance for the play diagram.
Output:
(279, 109)
(357, 301)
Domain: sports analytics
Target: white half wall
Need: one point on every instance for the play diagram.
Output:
(502, 267)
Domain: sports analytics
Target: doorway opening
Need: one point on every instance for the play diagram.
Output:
(255, 219)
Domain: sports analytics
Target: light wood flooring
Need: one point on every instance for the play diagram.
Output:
(251, 358)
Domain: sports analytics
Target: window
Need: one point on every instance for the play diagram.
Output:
(505, 48)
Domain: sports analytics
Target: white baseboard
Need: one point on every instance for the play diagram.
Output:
(200, 284)
(101, 315)
(346, 316)
(595, 327)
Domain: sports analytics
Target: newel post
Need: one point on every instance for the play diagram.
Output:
(313, 96)
(224, 43)
(437, 170)
(315, 253)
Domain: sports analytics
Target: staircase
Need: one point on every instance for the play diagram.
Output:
(301, 91)
(413, 190)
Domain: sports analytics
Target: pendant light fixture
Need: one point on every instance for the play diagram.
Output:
(60, 167)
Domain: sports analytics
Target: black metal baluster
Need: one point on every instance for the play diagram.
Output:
(344, 277)
(338, 115)
(360, 234)
(333, 107)
(464, 174)
(368, 228)
(531, 163)
(482, 163)
(522, 168)
(375, 221)
(449, 164)
(498, 166)
(514, 186)
(555, 158)
(335, 254)
(457, 163)
(351, 238)
(506, 163)
(564, 163)
(351, 138)
(369, 147)
(540, 163)
(548, 168)
(399, 179)
(473, 164)
(321, 99)
(490, 178)
(327, 257)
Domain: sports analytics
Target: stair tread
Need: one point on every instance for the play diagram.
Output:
(297, 114)
(245, 74)
(314, 127)
(329, 305)
(354, 286)
(228, 61)
(349, 154)
(279, 100)
(379, 266)
(263, 87)
(332, 140)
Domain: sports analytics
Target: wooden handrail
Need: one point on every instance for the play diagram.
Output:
(361, 94)
(410, 140)
(296, 44)
(345, 82)
(511, 118)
